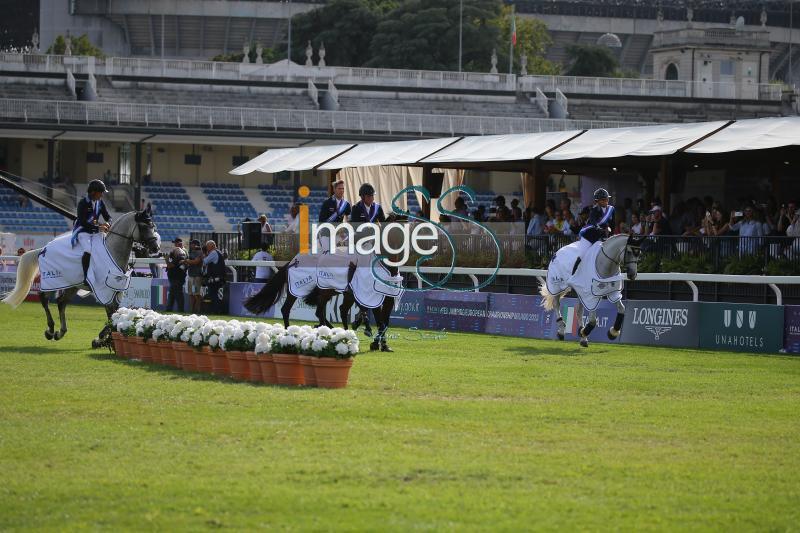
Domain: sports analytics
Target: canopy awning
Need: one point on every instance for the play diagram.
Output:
(501, 147)
(388, 153)
(638, 141)
(284, 159)
(752, 134)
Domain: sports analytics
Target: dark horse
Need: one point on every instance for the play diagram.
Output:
(136, 226)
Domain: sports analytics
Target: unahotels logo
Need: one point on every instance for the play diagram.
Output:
(734, 320)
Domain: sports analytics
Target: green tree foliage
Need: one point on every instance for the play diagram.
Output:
(591, 60)
(81, 46)
(345, 26)
(423, 34)
(533, 40)
(268, 55)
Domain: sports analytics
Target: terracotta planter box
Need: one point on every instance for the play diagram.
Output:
(268, 374)
(188, 356)
(219, 363)
(139, 350)
(288, 369)
(309, 376)
(154, 350)
(118, 346)
(332, 373)
(167, 351)
(237, 365)
(203, 359)
(254, 364)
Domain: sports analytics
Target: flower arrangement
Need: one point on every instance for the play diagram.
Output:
(330, 342)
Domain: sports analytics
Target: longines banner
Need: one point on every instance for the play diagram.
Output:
(661, 323)
(741, 327)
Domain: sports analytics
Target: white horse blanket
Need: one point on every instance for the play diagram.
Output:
(330, 271)
(586, 282)
(60, 268)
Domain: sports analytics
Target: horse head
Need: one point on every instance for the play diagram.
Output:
(145, 231)
(633, 251)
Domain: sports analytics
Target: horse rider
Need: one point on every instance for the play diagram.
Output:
(367, 209)
(598, 226)
(335, 209)
(90, 208)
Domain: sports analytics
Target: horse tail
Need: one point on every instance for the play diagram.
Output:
(548, 299)
(313, 298)
(270, 293)
(27, 268)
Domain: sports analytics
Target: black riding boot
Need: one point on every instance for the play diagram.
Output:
(85, 263)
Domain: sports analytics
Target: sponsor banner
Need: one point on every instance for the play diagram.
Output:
(606, 314)
(518, 315)
(791, 332)
(661, 323)
(138, 293)
(408, 310)
(9, 279)
(456, 311)
(741, 327)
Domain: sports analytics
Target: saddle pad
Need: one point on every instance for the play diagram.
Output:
(303, 275)
(332, 270)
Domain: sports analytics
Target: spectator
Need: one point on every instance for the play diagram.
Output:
(195, 276)
(536, 225)
(749, 230)
(786, 215)
(565, 204)
(656, 215)
(176, 274)
(215, 272)
(713, 224)
(516, 212)
(636, 224)
(627, 210)
(20, 251)
(294, 220)
(480, 214)
(263, 273)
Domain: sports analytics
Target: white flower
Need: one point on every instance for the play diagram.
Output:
(213, 341)
(319, 344)
(237, 334)
(342, 349)
(324, 331)
(294, 330)
(197, 339)
(353, 348)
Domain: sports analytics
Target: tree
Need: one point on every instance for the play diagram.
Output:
(532, 40)
(591, 60)
(81, 46)
(423, 34)
(345, 26)
(268, 55)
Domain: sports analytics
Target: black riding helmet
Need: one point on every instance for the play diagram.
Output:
(601, 194)
(97, 186)
(365, 190)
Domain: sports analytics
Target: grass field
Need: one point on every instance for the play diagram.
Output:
(472, 432)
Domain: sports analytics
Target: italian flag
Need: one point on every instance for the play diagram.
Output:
(513, 29)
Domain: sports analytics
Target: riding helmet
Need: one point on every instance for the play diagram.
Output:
(97, 186)
(601, 194)
(366, 189)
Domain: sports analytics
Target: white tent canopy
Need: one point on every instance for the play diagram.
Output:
(501, 147)
(282, 159)
(639, 141)
(752, 134)
(388, 153)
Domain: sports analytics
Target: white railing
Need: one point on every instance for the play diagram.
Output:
(541, 101)
(717, 36)
(562, 101)
(71, 83)
(770, 92)
(313, 92)
(333, 92)
(237, 118)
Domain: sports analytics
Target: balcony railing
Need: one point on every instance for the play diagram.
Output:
(712, 36)
(207, 118)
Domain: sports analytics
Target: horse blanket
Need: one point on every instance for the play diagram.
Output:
(370, 292)
(586, 282)
(332, 270)
(60, 268)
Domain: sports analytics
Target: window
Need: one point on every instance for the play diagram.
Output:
(726, 68)
(125, 163)
(672, 72)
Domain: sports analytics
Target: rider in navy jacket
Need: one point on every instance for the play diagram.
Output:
(90, 209)
(601, 220)
(367, 210)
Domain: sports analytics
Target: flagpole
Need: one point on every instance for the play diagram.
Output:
(460, 31)
(511, 43)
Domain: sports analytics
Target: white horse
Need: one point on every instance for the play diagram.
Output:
(127, 229)
(598, 276)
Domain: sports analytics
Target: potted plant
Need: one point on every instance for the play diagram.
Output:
(287, 364)
(219, 360)
(334, 357)
(265, 343)
(234, 341)
(145, 329)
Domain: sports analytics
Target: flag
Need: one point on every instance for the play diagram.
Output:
(513, 29)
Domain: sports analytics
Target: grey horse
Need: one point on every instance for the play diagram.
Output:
(618, 252)
(136, 226)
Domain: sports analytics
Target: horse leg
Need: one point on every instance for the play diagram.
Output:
(44, 299)
(382, 315)
(560, 323)
(365, 316)
(322, 304)
(287, 308)
(63, 300)
(104, 337)
(587, 329)
(616, 329)
(344, 309)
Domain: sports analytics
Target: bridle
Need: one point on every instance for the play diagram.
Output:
(621, 261)
(148, 241)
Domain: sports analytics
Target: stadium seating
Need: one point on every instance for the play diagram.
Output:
(230, 200)
(28, 218)
(174, 212)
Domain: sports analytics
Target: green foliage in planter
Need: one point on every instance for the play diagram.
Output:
(649, 262)
(782, 267)
(746, 264)
(687, 263)
(147, 333)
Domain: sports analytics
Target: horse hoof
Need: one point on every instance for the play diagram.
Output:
(385, 348)
(374, 346)
(96, 344)
(613, 334)
(585, 343)
(57, 336)
(368, 333)
(48, 335)
(560, 336)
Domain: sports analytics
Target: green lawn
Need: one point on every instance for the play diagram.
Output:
(472, 432)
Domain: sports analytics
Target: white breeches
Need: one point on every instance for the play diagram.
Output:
(85, 241)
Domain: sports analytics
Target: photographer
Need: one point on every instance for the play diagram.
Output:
(195, 273)
(214, 276)
(176, 274)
